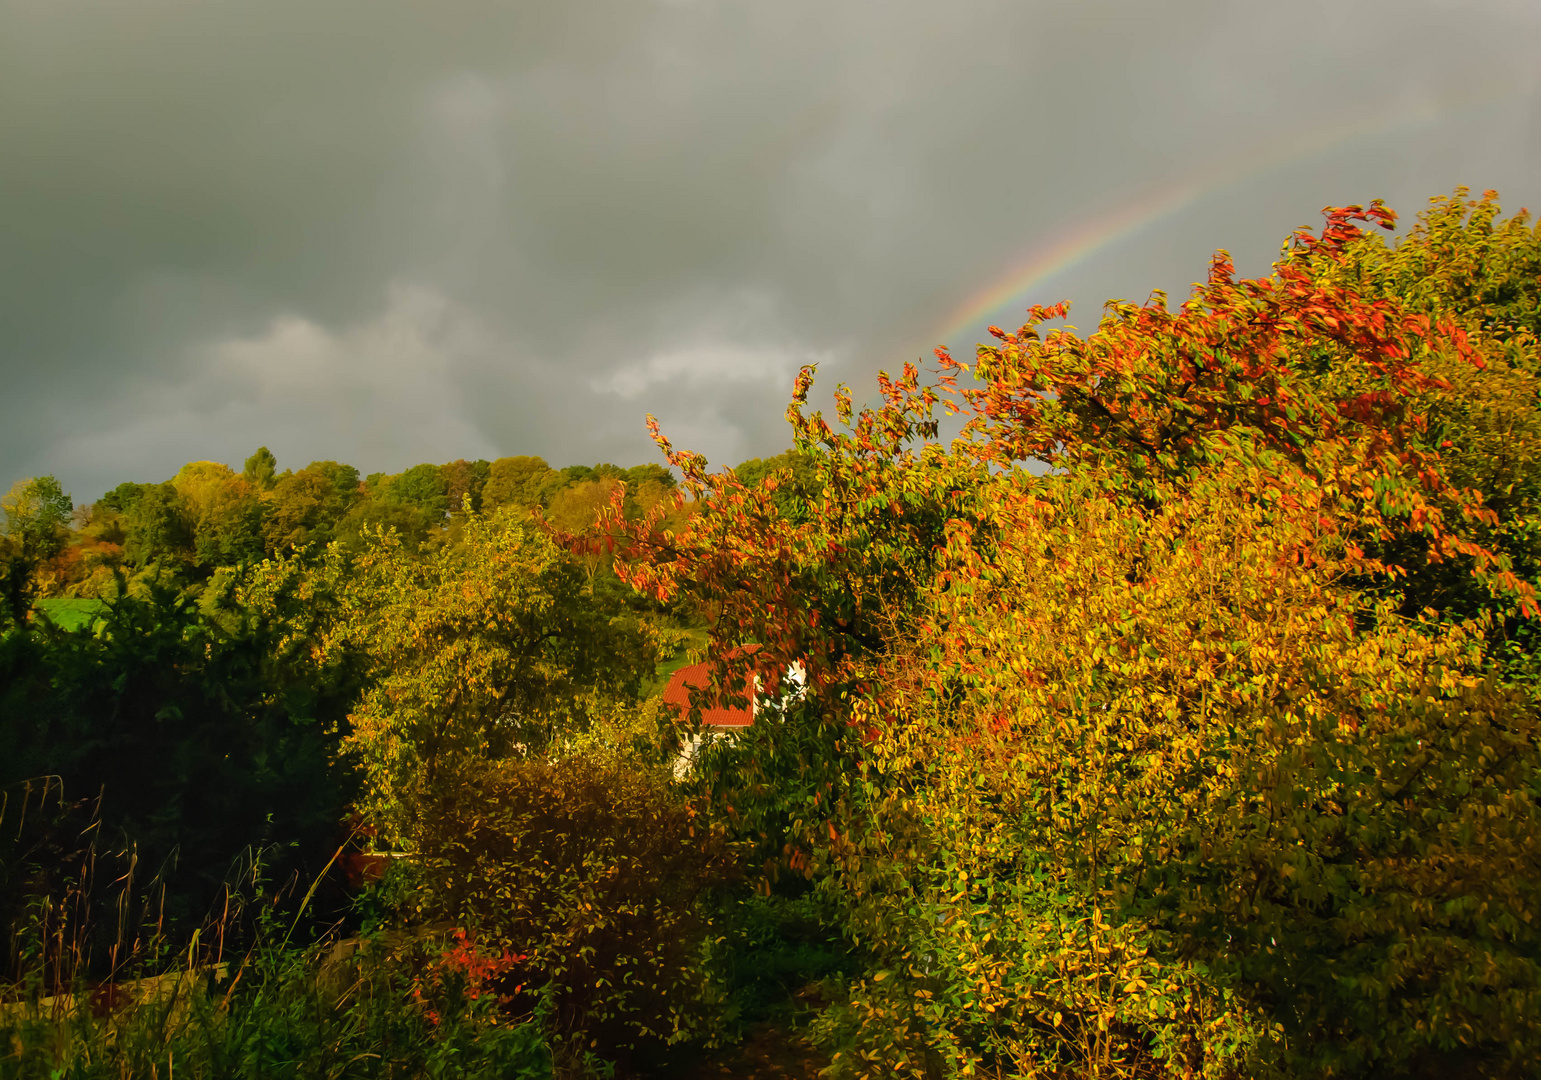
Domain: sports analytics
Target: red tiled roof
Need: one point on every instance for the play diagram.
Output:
(723, 713)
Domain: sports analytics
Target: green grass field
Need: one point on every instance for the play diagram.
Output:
(71, 614)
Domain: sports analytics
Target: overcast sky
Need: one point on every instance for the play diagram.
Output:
(385, 232)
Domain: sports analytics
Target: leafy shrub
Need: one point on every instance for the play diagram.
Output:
(591, 872)
(1158, 824)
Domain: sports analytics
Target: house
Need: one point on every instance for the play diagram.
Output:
(731, 713)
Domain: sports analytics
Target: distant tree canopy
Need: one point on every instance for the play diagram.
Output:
(479, 647)
(261, 469)
(517, 481)
(37, 512)
(208, 518)
(794, 474)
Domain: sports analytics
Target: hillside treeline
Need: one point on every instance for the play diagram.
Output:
(1178, 718)
(209, 516)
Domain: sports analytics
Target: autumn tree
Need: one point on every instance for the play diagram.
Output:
(495, 740)
(87, 567)
(306, 506)
(517, 481)
(464, 480)
(1459, 262)
(1143, 765)
(225, 511)
(578, 506)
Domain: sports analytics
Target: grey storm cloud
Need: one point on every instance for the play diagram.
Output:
(387, 232)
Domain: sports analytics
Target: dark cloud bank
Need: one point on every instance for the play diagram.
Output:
(392, 232)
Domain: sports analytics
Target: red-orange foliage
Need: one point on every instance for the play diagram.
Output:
(1299, 376)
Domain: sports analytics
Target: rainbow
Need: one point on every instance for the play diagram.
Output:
(1027, 274)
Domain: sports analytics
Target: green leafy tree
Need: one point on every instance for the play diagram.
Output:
(230, 531)
(423, 487)
(122, 498)
(650, 473)
(158, 527)
(305, 507)
(261, 469)
(373, 515)
(344, 478)
(37, 515)
(794, 475)
(483, 650)
(225, 511)
(647, 486)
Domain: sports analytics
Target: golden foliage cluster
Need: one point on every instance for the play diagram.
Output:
(1178, 719)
